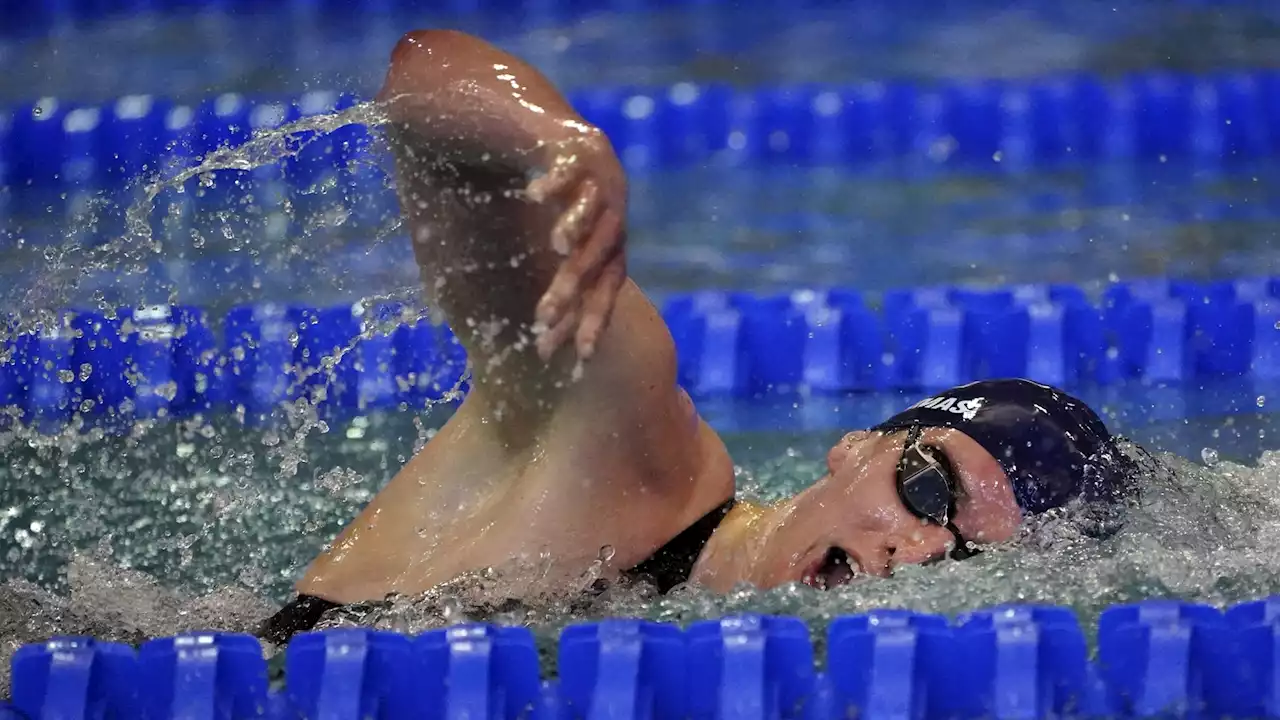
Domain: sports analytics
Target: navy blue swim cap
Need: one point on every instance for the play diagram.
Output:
(1052, 446)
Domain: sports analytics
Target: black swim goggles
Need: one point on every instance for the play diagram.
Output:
(927, 487)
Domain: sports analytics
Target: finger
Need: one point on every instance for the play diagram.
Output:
(568, 280)
(551, 339)
(578, 219)
(557, 178)
(588, 258)
(597, 307)
(547, 185)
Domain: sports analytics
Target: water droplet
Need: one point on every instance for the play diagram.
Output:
(1209, 456)
(1262, 400)
(168, 390)
(451, 610)
(252, 576)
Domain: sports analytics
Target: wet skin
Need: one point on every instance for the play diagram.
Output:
(851, 521)
(575, 436)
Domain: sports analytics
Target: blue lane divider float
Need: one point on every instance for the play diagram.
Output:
(1155, 658)
(1157, 331)
(1210, 120)
(53, 145)
(353, 359)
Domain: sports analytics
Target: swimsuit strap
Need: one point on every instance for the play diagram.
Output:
(673, 563)
(298, 616)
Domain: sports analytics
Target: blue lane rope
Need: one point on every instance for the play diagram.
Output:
(1212, 121)
(1155, 658)
(348, 360)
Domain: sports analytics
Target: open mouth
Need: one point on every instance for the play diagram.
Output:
(835, 568)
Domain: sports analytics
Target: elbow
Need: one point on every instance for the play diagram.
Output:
(446, 90)
(432, 62)
(420, 69)
(422, 58)
(451, 96)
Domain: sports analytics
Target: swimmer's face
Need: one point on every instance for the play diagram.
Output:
(852, 522)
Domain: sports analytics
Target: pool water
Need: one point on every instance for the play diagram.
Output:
(184, 527)
(767, 230)
(178, 525)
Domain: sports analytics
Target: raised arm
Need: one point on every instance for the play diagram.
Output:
(515, 205)
(516, 208)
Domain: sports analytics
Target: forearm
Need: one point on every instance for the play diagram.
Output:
(470, 128)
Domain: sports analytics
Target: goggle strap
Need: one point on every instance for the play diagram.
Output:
(961, 550)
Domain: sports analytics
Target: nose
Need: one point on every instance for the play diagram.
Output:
(915, 543)
(889, 536)
(874, 524)
(892, 536)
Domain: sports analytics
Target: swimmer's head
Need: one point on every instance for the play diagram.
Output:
(958, 470)
(1052, 447)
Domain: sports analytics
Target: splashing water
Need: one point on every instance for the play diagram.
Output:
(95, 521)
(231, 206)
(1196, 533)
(204, 522)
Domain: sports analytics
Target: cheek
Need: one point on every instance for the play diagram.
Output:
(992, 511)
(808, 523)
(779, 555)
(990, 522)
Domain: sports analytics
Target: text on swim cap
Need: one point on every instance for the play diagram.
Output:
(967, 408)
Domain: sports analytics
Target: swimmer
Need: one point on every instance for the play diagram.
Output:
(575, 435)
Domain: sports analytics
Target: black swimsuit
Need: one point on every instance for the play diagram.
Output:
(671, 565)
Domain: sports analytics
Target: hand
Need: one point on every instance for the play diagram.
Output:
(590, 235)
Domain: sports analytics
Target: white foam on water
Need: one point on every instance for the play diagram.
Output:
(1196, 533)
